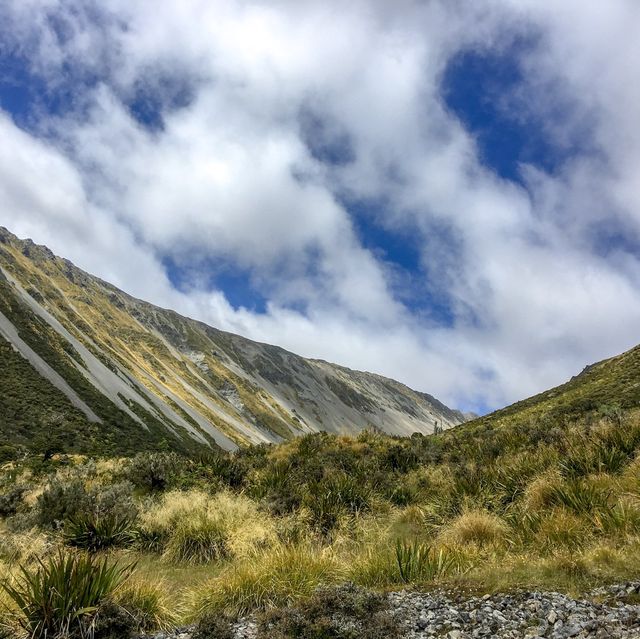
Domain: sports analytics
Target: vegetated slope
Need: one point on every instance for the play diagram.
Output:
(613, 383)
(120, 374)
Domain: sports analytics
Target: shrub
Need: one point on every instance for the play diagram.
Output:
(71, 500)
(62, 500)
(345, 612)
(12, 500)
(214, 626)
(115, 500)
(153, 471)
(327, 499)
(112, 621)
(63, 593)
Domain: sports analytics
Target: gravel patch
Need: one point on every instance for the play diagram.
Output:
(606, 613)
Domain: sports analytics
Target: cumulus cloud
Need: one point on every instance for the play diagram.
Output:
(241, 134)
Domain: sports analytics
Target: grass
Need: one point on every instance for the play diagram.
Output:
(280, 577)
(476, 527)
(265, 527)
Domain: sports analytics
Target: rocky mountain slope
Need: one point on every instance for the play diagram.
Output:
(83, 361)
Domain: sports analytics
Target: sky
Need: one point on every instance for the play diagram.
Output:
(446, 192)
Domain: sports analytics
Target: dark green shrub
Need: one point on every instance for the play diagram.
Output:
(12, 500)
(69, 501)
(61, 596)
(214, 626)
(329, 497)
(229, 469)
(399, 457)
(153, 471)
(116, 501)
(112, 621)
(345, 612)
(62, 500)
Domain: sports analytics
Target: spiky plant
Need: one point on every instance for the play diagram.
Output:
(98, 532)
(63, 593)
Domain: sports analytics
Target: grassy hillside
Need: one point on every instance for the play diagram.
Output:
(614, 382)
(545, 493)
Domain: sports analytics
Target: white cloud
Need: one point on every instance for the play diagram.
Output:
(230, 176)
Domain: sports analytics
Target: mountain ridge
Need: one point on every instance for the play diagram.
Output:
(185, 377)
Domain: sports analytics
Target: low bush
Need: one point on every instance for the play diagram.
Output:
(214, 626)
(344, 612)
(71, 500)
(153, 472)
(112, 621)
(12, 500)
(62, 500)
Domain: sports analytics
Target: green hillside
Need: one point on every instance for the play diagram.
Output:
(614, 381)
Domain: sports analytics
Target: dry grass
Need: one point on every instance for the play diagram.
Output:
(478, 527)
(196, 527)
(562, 529)
(149, 603)
(24, 547)
(279, 577)
(539, 493)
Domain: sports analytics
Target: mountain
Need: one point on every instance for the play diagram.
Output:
(84, 362)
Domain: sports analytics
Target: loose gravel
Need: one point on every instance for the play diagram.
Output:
(606, 613)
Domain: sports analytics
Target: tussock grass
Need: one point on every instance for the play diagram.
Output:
(279, 577)
(476, 527)
(24, 547)
(149, 604)
(489, 506)
(194, 527)
(400, 562)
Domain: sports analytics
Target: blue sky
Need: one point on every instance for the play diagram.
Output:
(446, 194)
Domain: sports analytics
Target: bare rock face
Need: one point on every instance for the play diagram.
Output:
(193, 379)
